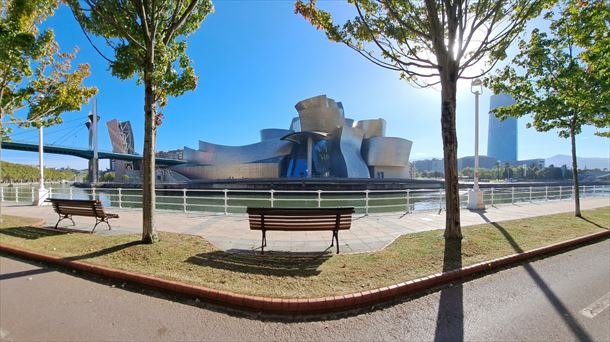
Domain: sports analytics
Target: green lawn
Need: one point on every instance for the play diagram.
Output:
(193, 260)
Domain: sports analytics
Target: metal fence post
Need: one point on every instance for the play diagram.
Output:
(93, 193)
(33, 195)
(16, 194)
(366, 202)
(70, 192)
(560, 188)
(530, 194)
(492, 196)
(319, 198)
(184, 200)
(440, 200)
(408, 201)
(120, 198)
(512, 195)
(226, 198)
(546, 193)
(271, 198)
(1, 194)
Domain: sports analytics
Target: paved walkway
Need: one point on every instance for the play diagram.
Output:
(368, 233)
(559, 298)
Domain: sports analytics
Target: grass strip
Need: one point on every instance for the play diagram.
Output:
(193, 260)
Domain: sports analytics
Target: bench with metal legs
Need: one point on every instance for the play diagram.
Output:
(300, 219)
(67, 208)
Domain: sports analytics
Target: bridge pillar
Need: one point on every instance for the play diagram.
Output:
(92, 175)
(93, 162)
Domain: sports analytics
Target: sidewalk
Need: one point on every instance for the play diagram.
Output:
(368, 233)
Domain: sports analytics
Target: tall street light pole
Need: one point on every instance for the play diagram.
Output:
(475, 196)
(41, 194)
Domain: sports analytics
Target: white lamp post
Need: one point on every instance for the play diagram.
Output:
(41, 194)
(475, 196)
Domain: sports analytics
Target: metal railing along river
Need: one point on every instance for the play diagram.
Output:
(225, 201)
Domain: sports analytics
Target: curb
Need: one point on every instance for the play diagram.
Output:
(308, 305)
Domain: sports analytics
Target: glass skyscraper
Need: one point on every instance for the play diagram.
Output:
(502, 135)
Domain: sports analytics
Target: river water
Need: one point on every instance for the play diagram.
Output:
(236, 201)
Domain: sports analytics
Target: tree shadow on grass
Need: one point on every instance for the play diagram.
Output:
(105, 251)
(593, 223)
(30, 233)
(450, 316)
(561, 309)
(275, 264)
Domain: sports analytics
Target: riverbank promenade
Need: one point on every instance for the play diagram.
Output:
(368, 233)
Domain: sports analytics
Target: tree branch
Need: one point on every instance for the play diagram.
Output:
(177, 24)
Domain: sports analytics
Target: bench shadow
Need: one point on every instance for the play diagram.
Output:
(279, 264)
(562, 310)
(450, 316)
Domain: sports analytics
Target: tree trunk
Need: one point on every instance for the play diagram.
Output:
(149, 235)
(450, 145)
(576, 190)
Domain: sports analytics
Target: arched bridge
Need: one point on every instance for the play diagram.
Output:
(83, 152)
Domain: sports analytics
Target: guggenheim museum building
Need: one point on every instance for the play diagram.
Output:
(320, 143)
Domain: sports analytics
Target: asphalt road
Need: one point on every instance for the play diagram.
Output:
(558, 298)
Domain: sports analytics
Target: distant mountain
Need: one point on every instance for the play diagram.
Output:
(589, 163)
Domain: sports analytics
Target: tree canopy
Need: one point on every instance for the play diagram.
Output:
(431, 42)
(135, 29)
(148, 38)
(590, 21)
(555, 79)
(12, 172)
(34, 74)
(416, 38)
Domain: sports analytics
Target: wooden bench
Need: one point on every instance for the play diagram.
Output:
(300, 219)
(66, 208)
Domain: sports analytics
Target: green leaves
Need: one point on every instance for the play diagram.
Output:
(149, 42)
(138, 30)
(34, 74)
(552, 77)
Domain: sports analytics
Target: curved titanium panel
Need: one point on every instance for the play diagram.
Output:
(313, 102)
(224, 155)
(371, 128)
(349, 162)
(197, 157)
(382, 172)
(320, 114)
(301, 137)
(386, 151)
(121, 136)
(233, 171)
(295, 125)
(274, 133)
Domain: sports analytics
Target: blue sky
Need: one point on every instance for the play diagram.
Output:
(255, 60)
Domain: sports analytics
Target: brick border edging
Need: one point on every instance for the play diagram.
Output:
(303, 306)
